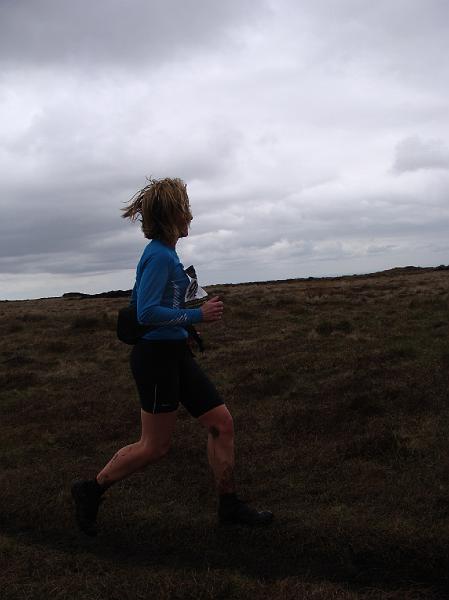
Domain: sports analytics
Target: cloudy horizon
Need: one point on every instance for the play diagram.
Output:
(313, 137)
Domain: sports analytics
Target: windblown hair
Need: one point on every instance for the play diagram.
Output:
(159, 207)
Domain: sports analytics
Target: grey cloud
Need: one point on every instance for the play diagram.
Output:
(78, 239)
(113, 32)
(67, 253)
(282, 128)
(375, 227)
(413, 154)
(404, 39)
(72, 175)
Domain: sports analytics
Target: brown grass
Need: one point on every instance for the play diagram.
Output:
(338, 389)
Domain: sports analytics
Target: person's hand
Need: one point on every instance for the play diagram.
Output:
(212, 310)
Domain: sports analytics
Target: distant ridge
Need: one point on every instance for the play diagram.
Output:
(112, 294)
(387, 272)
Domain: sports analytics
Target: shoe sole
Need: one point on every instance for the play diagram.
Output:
(78, 496)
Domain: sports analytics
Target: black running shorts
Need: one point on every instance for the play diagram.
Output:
(167, 374)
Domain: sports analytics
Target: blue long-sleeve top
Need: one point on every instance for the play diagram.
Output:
(159, 293)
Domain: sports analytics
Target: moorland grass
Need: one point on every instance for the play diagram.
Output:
(338, 389)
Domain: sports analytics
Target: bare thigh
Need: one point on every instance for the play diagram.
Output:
(157, 430)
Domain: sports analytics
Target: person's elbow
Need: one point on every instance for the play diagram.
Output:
(146, 315)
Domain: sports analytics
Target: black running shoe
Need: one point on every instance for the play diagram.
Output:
(87, 502)
(239, 513)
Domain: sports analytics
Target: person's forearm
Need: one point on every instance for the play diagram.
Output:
(168, 317)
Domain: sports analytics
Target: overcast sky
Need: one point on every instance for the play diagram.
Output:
(313, 136)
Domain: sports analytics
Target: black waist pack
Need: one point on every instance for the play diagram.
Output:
(129, 330)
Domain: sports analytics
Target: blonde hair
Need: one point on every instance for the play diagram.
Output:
(160, 204)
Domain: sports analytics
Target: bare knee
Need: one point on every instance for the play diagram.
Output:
(222, 428)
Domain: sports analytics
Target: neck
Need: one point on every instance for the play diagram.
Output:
(169, 244)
